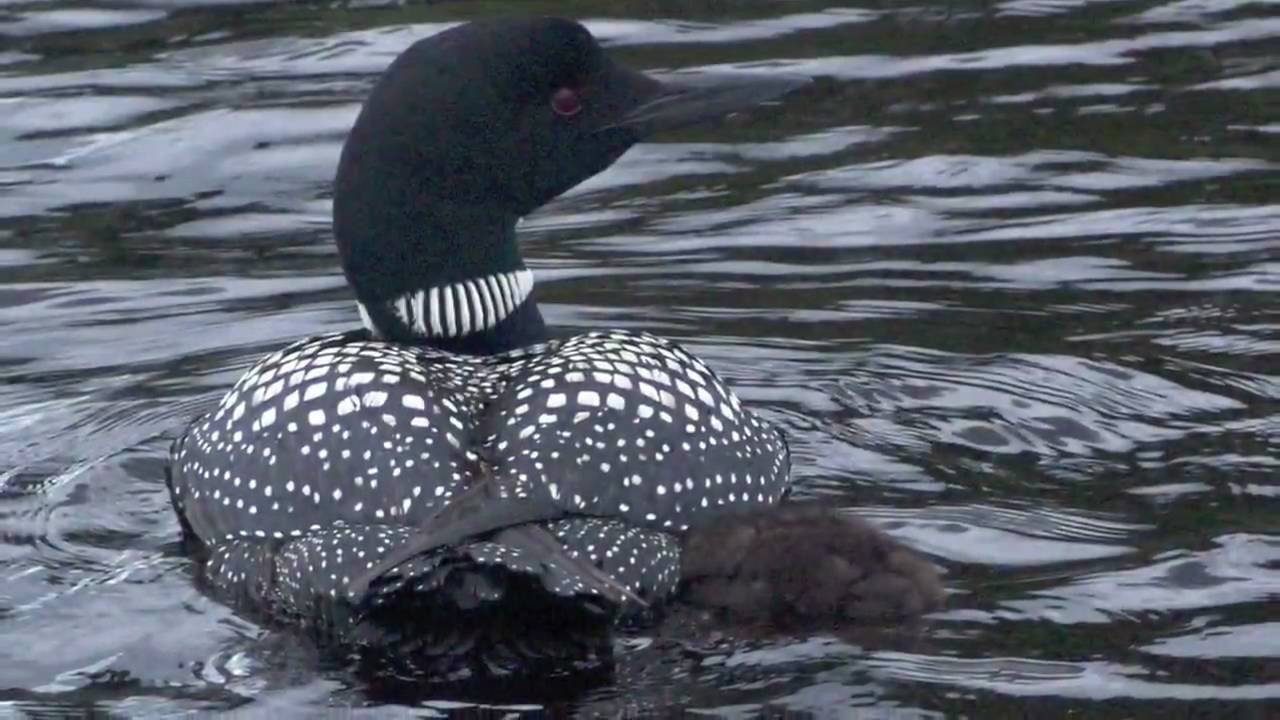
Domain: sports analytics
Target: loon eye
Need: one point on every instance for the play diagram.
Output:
(566, 102)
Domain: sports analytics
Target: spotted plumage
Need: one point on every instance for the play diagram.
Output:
(329, 455)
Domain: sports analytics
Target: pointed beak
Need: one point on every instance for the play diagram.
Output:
(675, 101)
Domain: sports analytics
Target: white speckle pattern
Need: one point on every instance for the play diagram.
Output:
(331, 452)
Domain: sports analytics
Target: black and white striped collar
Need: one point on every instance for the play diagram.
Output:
(458, 309)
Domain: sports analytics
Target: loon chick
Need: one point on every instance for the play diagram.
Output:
(450, 481)
(801, 565)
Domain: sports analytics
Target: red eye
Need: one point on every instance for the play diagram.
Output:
(566, 102)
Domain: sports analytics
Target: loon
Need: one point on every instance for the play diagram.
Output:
(453, 482)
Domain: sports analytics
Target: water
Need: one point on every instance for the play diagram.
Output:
(1007, 275)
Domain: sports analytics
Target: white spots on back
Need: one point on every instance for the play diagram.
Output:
(315, 390)
(649, 391)
(348, 405)
(627, 392)
(705, 397)
(371, 427)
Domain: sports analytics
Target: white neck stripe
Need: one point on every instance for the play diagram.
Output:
(434, 303)
(450, 327)
(464, 308)
(482, 317)
(490, 312)
(459, 308)
(499, 307)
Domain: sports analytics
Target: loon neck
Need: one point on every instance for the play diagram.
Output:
(482, 315)
(433, 270)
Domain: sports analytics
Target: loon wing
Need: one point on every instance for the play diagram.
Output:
(481, 509)
(540, 543)
(489, 506)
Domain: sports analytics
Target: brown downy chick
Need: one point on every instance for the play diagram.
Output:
(803, 566)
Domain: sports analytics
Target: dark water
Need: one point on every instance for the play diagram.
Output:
(1007, 274)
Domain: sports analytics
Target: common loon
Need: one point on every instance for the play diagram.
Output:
(453, 482)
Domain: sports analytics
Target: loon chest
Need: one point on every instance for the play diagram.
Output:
(623, 429)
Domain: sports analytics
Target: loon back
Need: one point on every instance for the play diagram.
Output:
(336, 456)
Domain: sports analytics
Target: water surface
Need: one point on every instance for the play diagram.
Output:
(1007, 275)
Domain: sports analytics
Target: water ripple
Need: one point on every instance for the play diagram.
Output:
(1005, 274)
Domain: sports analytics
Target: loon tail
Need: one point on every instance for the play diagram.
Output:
(535, 596)
(801, 565)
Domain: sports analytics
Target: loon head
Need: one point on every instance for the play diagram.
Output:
(466, 132)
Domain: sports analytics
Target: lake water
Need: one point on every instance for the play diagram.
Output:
(1007, 275)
